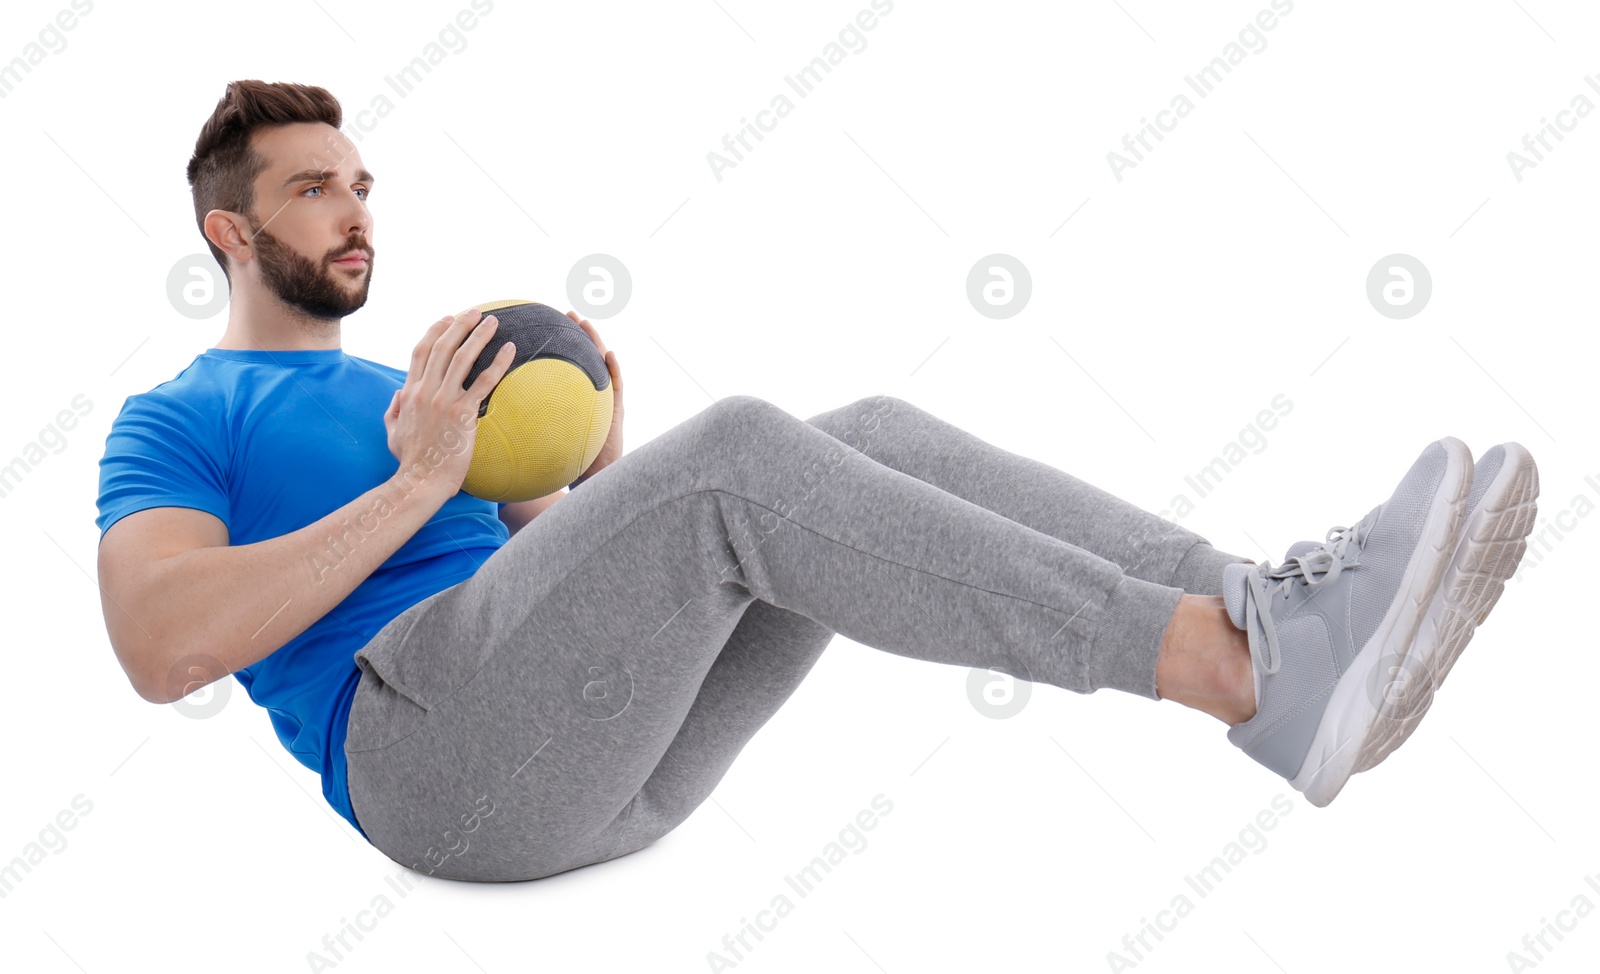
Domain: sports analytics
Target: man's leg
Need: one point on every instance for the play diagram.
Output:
(1204, 660)
(551, 685)
(913, 441)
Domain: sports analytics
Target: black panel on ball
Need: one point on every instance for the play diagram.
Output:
(539, 331)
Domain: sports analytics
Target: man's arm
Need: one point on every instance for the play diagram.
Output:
(514, 516)
(168, 595)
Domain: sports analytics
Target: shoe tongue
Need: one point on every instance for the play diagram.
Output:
(1234, 594)
(1233, 590)
(1300, 548)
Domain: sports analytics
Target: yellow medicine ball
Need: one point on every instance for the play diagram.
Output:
(548, 416)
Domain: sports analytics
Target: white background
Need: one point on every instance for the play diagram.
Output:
(1227, 268)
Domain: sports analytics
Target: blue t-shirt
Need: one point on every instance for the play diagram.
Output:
(269, 442)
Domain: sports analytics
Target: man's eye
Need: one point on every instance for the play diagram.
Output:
(361, 189)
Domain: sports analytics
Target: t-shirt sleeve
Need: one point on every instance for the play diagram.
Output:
(161, 452)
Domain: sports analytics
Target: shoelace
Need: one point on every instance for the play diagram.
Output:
(1316, 568)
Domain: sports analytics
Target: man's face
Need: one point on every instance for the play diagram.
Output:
(309, 221)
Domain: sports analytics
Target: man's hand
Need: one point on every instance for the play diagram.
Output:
(612, 448)
(433, 413)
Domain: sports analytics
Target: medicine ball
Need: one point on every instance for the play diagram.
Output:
(546, 419)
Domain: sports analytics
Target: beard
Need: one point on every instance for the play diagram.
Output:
(315, 291)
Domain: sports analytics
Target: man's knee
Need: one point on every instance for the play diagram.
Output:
(739, 404)
(859, 419)
(742, 411)
(854, 424)
(722, 429)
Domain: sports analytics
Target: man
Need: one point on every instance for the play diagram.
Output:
(505, 692)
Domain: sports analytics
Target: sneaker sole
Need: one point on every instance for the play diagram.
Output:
(1492, 544)
(1352, 715)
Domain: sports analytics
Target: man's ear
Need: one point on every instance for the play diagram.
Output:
(230, 232)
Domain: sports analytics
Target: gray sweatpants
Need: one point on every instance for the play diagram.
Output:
(582, 693)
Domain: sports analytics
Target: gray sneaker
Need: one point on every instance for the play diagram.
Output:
(1326, 626)
(1494, 535)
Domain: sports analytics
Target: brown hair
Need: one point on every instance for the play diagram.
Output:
(224, 166)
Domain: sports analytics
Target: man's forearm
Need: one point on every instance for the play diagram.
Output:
(238, 604)
(516, 516)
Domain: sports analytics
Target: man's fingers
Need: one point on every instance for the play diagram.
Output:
(489, 377)
(461, 363)
(446, 346)
(419, 354)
